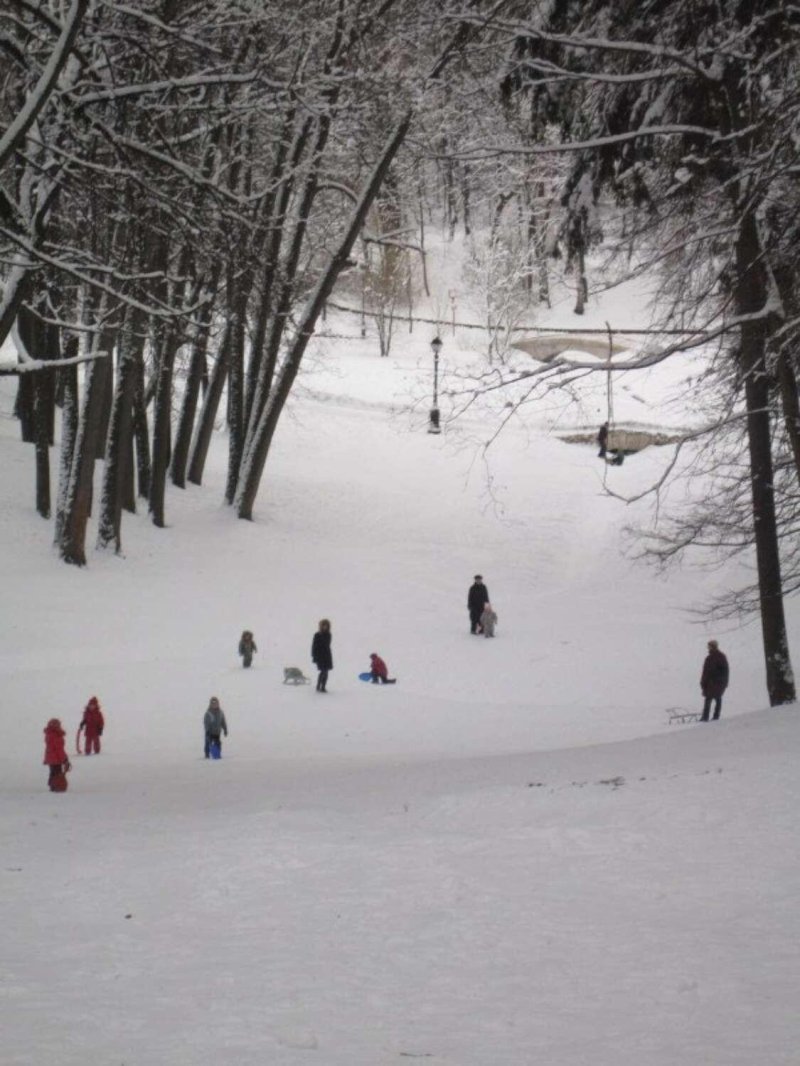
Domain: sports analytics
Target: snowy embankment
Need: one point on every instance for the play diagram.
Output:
(507, 858)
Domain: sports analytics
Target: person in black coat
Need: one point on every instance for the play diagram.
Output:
(477, 598)
(602, 440)
(714, 680)
(321, 653)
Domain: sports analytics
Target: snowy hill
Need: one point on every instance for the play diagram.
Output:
(508, 858)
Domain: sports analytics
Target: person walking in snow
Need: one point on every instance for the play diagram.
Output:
(714, 680)
(55, 755)
(488, 620)
(602, 440)
(91, 726)
(379, 670)
(215, 725)
(477, 598)
(321, 654)
(247, 646)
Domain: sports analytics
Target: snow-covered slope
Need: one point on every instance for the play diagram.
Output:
(507, 858)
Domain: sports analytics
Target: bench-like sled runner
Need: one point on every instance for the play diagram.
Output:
(681, 715)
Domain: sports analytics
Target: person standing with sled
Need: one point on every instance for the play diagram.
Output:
(91, 726)
(215, 725)
(379, 670)
(247, 646)
(714, 680)
(321, 654)
(55, 756)
(477, 598)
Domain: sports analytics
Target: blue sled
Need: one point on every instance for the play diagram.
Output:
(366, 676)
(215, 751)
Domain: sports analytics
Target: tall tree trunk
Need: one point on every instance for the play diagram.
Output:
(579, 238)
(72, 544)
(280, 305)
(44, 405)
(787, 382)
(198, 372)
(751, 294)
(236, 396)
(118, 454)
(466, 189)
(205, 427)
(141, 433)
(36, 399)
(255, 458)
(162, 426)
(68, 376)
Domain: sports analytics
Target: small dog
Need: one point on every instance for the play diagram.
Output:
(293, 675)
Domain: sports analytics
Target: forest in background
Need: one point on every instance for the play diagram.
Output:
(184, 186)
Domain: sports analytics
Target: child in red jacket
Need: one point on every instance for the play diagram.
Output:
(379, 670)
(92, 724)
(55, 755)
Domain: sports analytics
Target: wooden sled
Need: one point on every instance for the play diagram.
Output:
(681, 716)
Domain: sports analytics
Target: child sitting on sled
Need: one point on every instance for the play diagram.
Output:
(247, 646)
(379, 671)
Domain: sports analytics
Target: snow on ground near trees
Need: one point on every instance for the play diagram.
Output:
(507, 858)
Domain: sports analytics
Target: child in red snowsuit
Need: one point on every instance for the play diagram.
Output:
(55, 754)
(379, 670)
(92, 725)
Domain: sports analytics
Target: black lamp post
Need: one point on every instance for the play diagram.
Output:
(433, 424)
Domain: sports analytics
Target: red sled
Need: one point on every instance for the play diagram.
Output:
(58, 782)
(78, 742)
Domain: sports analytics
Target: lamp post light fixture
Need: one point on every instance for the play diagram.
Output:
(433, 424)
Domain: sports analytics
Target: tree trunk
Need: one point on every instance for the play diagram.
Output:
(72, 544)
(25, 408)
(580, 254)
(69, 430)
(141, 433)
(198, 372)
(751, 293)
(254, 460)
(235, 396)
(787, 381)
(44, 406)
(283, 182)
(162, 428)
(211, 400)
(118, 444)
(36, 399)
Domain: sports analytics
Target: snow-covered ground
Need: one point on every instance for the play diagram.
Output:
(508, 858)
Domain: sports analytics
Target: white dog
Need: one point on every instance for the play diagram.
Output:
(293, 675)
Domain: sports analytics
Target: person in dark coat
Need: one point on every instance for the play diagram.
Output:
(602, 440)
(714, 680)
(92, 725)
(55, 755)
(477, 598)
(247, 646)
(321, 654)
